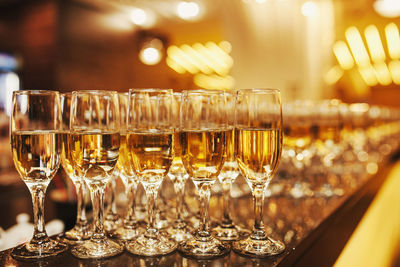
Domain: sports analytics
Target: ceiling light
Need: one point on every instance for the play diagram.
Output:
(387, 8)
(188, 10)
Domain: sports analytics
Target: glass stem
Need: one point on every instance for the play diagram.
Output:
(130, 218)
(151, 193)
(113, 196)
(39, 231)
(179, 190)
(204, 192)
(226, 192)
(258, 229)
(98, 207)
(81, 219)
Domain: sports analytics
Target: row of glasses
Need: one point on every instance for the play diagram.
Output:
(145, 153)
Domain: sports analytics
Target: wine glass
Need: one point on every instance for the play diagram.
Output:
(94, 144)
(130, 227)
(149, 143)
(82, 229)
(36, 148)
(203, 131)
(227, 230)
(179, 230)
(259, 144)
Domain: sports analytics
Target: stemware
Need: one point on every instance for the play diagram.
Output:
(203, 131)
(179, 230)
(82, 229)
(36, 148)
(94, 143)
(130, 228)
(259, 143)
(227, 230)
(149, 143)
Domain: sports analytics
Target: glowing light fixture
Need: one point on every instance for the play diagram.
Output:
(374, 44)
(382, 73)
(188, 10)
(343, 55)
(214, 81)
(387, 8)
(368, 75)
(393, 40)
(138, 16)
(394, 67)
(333, 75)
(151, 52)
(357, 47)
(309, 9)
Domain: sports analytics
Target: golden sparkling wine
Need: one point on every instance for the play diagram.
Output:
(95, 154)
(66, 156)
(258, 153)
(297, 136)
(203, 153)
(36, 154)
(229, 171)
(124, 166)
(151, 154)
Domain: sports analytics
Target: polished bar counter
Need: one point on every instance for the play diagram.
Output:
(314, 229)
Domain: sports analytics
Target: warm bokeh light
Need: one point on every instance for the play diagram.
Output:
(374, 44)
(188, 10)
(150, 55)
(387, 8)
(333, 75)
(394, 67)
(382, 73)
(368, 75)
(11, 84)
(309, 9)
(214, 81)
(393, 40)
(357, 47)
(138, 16)
(343, 55)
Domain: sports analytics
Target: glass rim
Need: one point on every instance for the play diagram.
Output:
(94, 92)
(259, 90)
(150, 90)
(202, 91)
(35, 92)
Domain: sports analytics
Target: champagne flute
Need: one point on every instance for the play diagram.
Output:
(149, 142)
(94, 143)
(204, 127)
(179, 230)
(82, 229)
(259, 144)
(227, 230)
(130, 228)
(36, 148)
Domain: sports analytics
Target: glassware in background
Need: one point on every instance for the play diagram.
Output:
(204, 127)
(149, 142)
(130, 228)
(298, 138)
(326, 179)
(179, 230)
(227, 230)
(259, 145)
(36, 148)
(95, 142)
(82, 229)
(112, 220)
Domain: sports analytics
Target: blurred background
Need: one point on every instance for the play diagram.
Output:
(309, 49)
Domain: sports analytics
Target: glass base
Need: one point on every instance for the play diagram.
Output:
(127, 233)
(258, 248)
(78, 233)
(96, 249)
(151, 246)
(29, 251)
(180, 234)
(229, 233)
(112, 222)
(204, 248)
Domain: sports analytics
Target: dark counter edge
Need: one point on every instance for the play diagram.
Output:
(325, 243)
